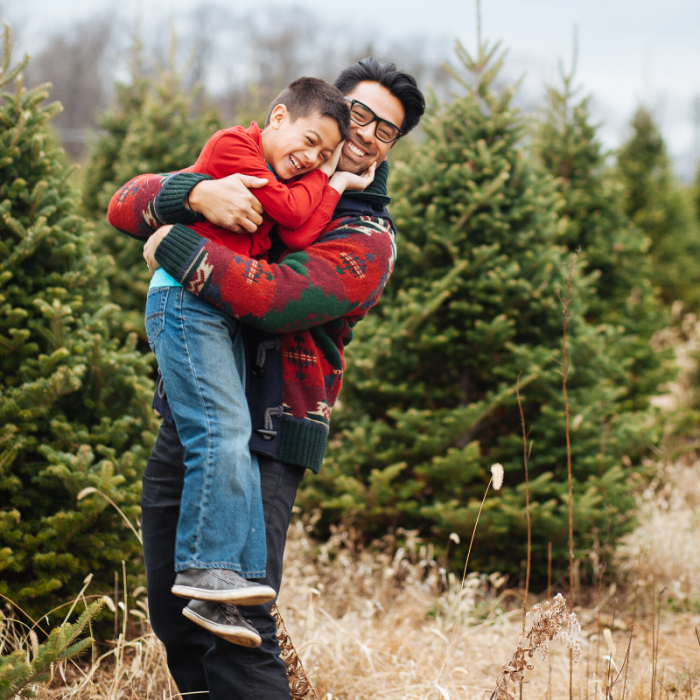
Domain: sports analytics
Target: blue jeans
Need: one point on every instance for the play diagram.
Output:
(200, 354)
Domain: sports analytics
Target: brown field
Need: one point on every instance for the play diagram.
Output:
(368, 625)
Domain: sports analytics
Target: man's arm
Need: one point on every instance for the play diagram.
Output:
(147, 202)
(342, 273)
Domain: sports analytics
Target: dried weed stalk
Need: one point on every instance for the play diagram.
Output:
(550, 621)
(299, 684)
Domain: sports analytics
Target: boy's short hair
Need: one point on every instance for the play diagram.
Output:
(305, 96)
(399, 83)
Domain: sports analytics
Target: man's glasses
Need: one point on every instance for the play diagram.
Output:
(362, 115)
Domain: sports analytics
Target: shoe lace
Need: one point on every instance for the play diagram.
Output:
(233, 613)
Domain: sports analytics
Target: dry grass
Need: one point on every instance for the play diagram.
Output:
(379, 624)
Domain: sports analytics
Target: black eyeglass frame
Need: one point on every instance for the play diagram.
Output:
(374, 118)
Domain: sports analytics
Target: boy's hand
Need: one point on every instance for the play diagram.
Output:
(149, 249)
(332, 163)
(345, 180)
(229, 203)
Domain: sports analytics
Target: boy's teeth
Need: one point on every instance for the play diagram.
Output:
(294, 162)
(354, 149)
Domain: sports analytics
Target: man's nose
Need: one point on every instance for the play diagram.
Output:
(366, 132)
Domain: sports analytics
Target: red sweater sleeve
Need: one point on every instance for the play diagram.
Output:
(307, 233)
(234, 151)
(343, 274)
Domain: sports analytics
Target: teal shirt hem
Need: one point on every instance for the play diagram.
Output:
(162, 279)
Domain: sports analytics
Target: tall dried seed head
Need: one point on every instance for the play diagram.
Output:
(497, 473)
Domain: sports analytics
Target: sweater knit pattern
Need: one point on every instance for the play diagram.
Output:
(311, 299)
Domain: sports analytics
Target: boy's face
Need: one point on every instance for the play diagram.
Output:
(296, 147)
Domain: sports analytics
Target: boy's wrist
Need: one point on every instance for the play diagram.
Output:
(338, 182)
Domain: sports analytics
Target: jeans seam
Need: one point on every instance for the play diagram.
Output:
(207, 476)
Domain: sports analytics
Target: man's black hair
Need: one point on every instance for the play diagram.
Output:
(305, 96)
(399, 83)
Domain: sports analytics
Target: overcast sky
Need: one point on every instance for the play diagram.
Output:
(629, 51)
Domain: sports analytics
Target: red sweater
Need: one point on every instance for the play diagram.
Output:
(301, 207)
(312, 298)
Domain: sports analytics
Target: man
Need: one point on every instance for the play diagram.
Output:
(300, 312)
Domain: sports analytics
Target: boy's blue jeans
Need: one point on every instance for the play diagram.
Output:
(200, 355)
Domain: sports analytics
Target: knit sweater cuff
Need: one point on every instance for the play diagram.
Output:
(170, 202)
(177, 250)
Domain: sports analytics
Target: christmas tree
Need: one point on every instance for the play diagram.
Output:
(99, 178)
(614, 251)
(74, 403)
(655, 203)
(155, 126)
(472, 312)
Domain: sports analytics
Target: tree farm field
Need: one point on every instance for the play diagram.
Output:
(474, 320)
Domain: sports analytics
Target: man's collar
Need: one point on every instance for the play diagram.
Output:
(376, 192)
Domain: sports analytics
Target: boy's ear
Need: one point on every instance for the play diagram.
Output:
(278, 115)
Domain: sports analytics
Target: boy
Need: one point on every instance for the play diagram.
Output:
(221, 533)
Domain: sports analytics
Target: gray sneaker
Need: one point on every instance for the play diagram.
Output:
(221, 586)
(223, 620)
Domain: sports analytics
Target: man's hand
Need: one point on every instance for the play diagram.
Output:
(229, 203)
(332, 163)
(149, 249)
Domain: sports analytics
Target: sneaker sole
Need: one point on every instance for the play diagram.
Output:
(240, 597)
(236, 635)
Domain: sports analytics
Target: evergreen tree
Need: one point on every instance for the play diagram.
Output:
(99, 178)
(74, 404)
(655, 203)
(614, 250)
(429, 400)
(157, 127)
(696, 197)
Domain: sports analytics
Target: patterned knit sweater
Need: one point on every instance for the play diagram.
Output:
(310, 300)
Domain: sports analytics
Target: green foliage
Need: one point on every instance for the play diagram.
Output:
(614, 251)
(73, 402)
(472, 308)
(19, 670)
(656, 204)
(154, 126)
(100, 176)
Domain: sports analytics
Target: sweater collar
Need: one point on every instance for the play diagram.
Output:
(375, 193)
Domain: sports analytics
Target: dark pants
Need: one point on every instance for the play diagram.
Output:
(199, 661)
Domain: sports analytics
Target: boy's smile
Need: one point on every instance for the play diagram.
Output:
(293, 148)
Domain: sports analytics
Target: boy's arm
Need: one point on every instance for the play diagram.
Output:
(289, 204)
(302, 237)
(305, 235)
(344, 272)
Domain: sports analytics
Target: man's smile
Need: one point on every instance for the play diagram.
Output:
(354, 149)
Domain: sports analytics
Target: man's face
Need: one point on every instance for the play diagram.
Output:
(363, 148)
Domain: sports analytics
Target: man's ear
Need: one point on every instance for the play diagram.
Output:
(278, 115)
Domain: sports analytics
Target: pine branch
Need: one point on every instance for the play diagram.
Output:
(20, 670)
